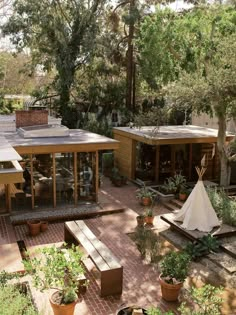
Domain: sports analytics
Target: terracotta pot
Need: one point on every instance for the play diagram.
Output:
(182, 197)
(149, 220)
(146, 201)
(34, 227)
(140, 221)
(44, 226)
(62, 309)
(170, 292)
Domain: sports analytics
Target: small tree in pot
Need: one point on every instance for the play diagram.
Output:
(57, 268)
(174, 270)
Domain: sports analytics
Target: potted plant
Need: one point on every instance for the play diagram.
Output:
(57, 268)
(140, 220)
(149, 216)
(44, 226)
(34, 227)
(183, 193)
(174, 270)
(145, 196)
(173, 184)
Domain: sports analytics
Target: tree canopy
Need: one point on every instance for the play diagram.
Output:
(196, 51)
(60, 35)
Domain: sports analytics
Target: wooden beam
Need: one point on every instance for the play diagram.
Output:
(75, 179)
(54, 188)
(172, 147)
(190, 161)
(97, 175)
(8, 197)
(64, 148)
(157, 166)
(133, 159)
(32, 181)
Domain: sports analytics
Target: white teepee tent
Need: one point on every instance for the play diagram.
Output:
(197, 212)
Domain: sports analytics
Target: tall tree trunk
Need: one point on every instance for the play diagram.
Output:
(224, 162)
(130, 62)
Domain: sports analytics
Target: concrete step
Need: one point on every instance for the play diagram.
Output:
(170, 206)
(177, 203)
(220, 267)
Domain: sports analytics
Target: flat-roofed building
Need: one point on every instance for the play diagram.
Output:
(153, 154)
(59, 165)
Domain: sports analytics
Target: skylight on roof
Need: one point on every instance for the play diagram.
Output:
(44, 131)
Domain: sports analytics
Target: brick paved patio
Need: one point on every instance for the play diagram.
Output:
(140, 286)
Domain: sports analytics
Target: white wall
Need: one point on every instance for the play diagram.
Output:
(205, 120)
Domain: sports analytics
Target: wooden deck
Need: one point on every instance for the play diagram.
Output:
(219, 232)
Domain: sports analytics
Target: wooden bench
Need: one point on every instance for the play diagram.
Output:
(111, 272)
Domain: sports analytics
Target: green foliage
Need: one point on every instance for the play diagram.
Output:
(194, 49)
(148, 244)
(117, 178)
(145, 192)
(97, 126)
(203, 246)
(107, 161)
(207, 301)
(6, 276)
(174, 266)
(157, 311)
(60, 35)
(155, 116)
(57, 268)
(149, 212)
(13, 301)
(174, 184)
(223, 205)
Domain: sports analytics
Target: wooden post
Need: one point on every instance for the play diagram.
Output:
(75, 179)
(157, 167)
(97, 175)
(32, 181)
(8, 197)
(54, 189)
(133, 159)
(172, 159)
(190, 161)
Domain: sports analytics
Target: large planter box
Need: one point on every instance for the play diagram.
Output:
(160, 196)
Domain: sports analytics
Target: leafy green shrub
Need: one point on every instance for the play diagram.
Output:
(174, 267)
(6, 276)
(202, 247)
(57, 268)
(148, 244)
(14, 302)
(157, 311)
(225, 207)
(207, 301)
(174, 184)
